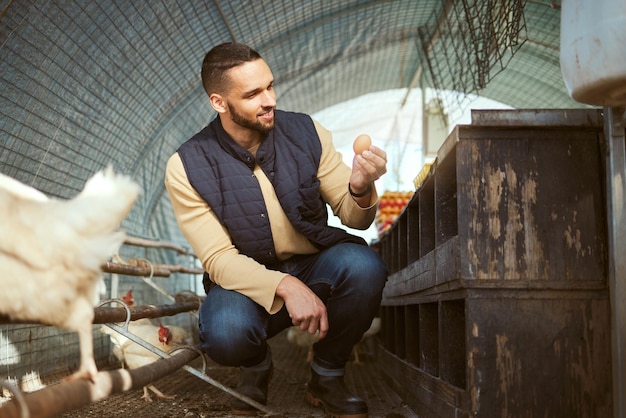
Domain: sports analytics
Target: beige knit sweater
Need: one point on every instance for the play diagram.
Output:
(212, 243)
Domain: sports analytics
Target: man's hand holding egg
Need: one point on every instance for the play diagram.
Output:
(361, 143)
(369, 163)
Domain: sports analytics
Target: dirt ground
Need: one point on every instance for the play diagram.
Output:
(196, 398)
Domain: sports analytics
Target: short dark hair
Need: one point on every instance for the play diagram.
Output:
(219, 60)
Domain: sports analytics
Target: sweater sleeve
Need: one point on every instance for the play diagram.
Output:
(334, 176)
(212, 244)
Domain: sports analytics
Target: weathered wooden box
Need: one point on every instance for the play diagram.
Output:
(497, 300)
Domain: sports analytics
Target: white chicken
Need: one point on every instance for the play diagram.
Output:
(166, 338)
(51, 251)
(303, 339)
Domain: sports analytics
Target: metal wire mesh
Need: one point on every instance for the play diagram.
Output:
(84, 84)
(466, 43)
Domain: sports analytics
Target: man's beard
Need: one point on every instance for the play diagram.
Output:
(253, 125)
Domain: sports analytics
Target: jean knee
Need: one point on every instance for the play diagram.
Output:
(232, 328)
(367, 268)
(230, 347)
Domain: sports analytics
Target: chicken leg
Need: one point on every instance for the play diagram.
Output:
(157, 392)
(87, 369)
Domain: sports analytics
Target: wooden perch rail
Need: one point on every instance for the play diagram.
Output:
(67, 396)
(106, 314)
(143, 242)
(140, 268)
(144, 269)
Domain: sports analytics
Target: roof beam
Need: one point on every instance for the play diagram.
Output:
(225, 19)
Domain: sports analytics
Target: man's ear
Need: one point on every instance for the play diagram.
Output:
(217, 103)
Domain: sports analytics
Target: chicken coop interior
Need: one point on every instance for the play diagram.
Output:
(506, 294)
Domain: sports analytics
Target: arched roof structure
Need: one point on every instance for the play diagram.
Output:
(86, 83)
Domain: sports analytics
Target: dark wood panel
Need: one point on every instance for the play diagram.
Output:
(500, 305)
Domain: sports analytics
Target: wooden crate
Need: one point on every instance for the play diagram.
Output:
(497, 300)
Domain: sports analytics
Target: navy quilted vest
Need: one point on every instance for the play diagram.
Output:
(221, 171)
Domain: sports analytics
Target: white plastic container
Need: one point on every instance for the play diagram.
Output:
(593, 50)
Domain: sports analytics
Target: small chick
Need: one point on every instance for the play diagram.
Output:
(302, 339)
(372, 330)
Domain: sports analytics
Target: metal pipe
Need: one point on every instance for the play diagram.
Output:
(614, 129)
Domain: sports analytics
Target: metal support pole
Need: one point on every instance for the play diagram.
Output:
(614, 128)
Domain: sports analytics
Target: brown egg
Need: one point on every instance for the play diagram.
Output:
(361, 143)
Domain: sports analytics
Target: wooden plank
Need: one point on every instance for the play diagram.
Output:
(425, 394)
(543, 357)
(413, 278)
(447, 263)
(543, 118)
(533, 206)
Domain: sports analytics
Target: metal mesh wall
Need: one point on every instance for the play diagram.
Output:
(86, 83)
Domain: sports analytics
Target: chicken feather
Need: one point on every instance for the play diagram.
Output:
(51, 251)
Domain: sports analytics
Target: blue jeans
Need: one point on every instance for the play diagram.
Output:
(348, 278)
